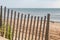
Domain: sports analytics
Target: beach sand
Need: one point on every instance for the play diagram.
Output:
(2, 38)
(54, 31)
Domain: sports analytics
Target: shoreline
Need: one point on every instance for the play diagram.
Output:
(55, 21)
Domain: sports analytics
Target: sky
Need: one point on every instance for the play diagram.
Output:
(30, 3)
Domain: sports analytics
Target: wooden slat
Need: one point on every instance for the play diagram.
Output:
(27, 26)
(7, 25)
(23, 27)
(33, 28)
(1, 16)
(17, 27)
(20, 26)
(13, 25)
(4, 14)
(43, 28)
(37, 28)
(30, 27)
(1, 20)
(4, 19)
(40, 29)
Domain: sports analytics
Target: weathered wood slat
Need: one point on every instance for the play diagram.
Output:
(1, 20)
(20, 26)
(30, 27)
(17, 27)
(40, 28)
(27, 26)
(37, 28)
(43, 28)
(13, 25)
(0, 16)
(33, 28)
(6, 36)
(23, 27)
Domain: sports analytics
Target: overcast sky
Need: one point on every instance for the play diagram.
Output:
(30, 3)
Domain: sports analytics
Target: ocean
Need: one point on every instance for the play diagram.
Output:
(54, 12)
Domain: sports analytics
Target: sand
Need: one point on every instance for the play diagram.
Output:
(2, 38)
(54, 31)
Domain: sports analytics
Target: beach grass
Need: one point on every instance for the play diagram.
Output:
(3, 30)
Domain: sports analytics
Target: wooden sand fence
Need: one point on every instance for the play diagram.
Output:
(17, 26)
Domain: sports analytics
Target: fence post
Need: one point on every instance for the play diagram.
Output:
(47, 28)
(1, 16)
